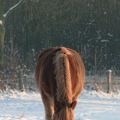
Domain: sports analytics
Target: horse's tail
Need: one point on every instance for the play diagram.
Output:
(64, 87)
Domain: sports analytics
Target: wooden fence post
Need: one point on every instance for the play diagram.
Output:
(109, 81)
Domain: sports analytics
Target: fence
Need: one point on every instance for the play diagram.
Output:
(24, 80)
(103, 80)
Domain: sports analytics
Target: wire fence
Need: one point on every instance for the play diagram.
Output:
(24, 79)
(100, 81)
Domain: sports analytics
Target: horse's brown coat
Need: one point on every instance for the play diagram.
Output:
(60, 79)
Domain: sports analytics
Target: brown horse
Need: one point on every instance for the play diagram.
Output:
(60, 79)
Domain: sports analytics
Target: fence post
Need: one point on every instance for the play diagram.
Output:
(109, 81)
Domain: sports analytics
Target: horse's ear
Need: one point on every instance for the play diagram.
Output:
(73, 105)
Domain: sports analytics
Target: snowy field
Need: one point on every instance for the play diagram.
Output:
(28, 106)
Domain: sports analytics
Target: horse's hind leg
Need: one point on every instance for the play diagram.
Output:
(48, 105)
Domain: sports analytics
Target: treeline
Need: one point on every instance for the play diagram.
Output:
(92, 27)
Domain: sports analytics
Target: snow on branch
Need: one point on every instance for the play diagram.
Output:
(12, 8)
(1, 22)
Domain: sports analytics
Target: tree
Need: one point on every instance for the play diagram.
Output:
(2, 24)
(2, 32)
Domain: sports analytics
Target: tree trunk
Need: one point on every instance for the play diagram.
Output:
(2, 34)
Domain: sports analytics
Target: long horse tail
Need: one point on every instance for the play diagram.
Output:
(64, 109)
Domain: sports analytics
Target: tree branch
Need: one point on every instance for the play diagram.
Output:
(12, 8)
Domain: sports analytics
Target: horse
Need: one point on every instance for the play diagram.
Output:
(59, 76)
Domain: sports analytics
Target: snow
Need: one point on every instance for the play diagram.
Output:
(91, 105)
(1, 22)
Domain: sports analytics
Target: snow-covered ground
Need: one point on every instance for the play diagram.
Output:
(15, 105)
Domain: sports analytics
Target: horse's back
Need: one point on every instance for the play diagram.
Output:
(45, 70)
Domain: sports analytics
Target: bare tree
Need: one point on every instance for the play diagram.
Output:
(2, 27)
